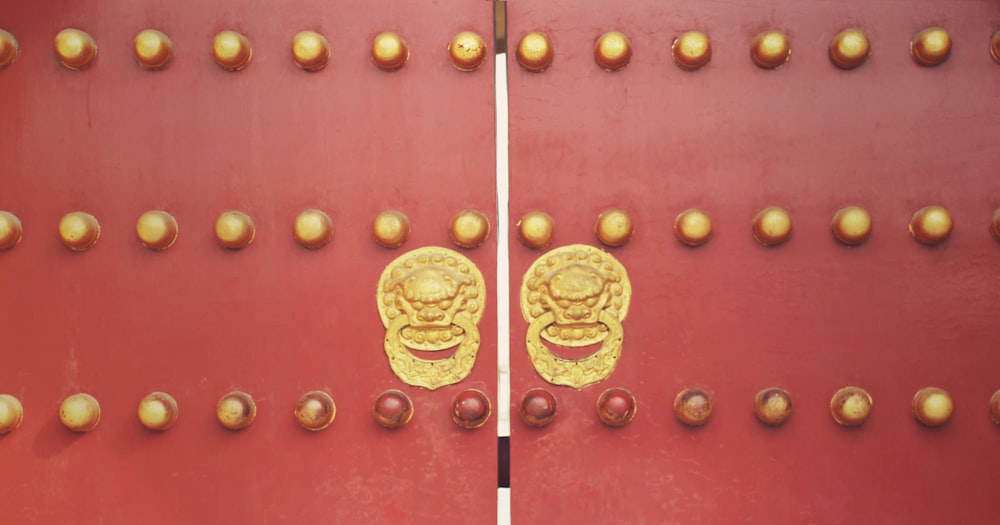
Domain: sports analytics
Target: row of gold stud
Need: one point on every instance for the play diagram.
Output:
(236, 410)
(232, 51)
(613, 50)
(469, 228)
(850, 407)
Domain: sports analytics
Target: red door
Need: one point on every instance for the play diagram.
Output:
(335, 363)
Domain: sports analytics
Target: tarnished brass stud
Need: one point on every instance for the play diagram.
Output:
(616, 407)
(536, 229)
(157, 230)
(10, 230)
(79, 230)
(613, 51)
(772, 226)
(851, 225)
(931, 225)
(470, 409)
(8, 49)
(614, 227)
(693, 227)
(75, 48)
(931, 47)
(691, 50)
(770, 49)
(535, 52)
(773, 406)
(994, 225)
(392, 409)
(469, 228)
(232, 51)
(315, 410)
(313, 229)
(390, 229)
(467, 51)
(310, 50)
(158, 411)
(153, 49)
(849, 48)
(234, 230)
(389, 51)
(850, 406)
(995, 407)
(236, 410)
(538, 407)
(932, 406)
(693, 407)
(995, 46)
(80, 412)
(11, 413)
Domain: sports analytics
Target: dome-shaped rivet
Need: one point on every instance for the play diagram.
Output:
(931, 225)
(8, 49)
(994, 225)
(234, 230)
(535, 52)
(691, 50)
(10, 230)
(236, 410)
(770, 49)
(79, 230)
(772, 226)
(467, 51)
(931, 46)
(391, 229)
(80, 412)
(850, 406)
(536, 229)
(158, 411)
(851, 225)
(75, 48)
(315, 410)
(614, 227)
(932, 406)
(849, 48)
(153, 49)
(469, 228)
(470, 409)
(772, 406)
(157, 230)
(995, 407)
(693, 407)
(313, 229)
(616, 407)
(995, 46)
(392, 409)
(538, 407)
(693, 227)
(310, 50)
(11, 413)
(389, 51)
(613, 51)
(232, 51)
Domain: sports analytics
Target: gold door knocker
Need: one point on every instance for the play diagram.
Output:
(575, 296)
(431, 299)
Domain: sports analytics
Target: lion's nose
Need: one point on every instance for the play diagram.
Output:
(431, 315)
(577, 313)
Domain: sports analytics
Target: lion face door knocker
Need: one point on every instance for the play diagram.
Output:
(575, 296)
(430, 300)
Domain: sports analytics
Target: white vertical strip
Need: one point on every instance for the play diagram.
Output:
(503, 506)
(503, 250)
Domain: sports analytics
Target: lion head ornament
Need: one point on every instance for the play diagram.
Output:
(431, 299)
(572, 297)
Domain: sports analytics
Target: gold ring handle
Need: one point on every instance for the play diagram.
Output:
(576, 373)
(425, 373)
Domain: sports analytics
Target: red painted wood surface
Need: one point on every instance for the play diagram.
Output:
(197, 321)
(734, 317)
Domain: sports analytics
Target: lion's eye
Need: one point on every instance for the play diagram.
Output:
(563, 303)
(446, 304)
(417, 305)
(591, 302)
